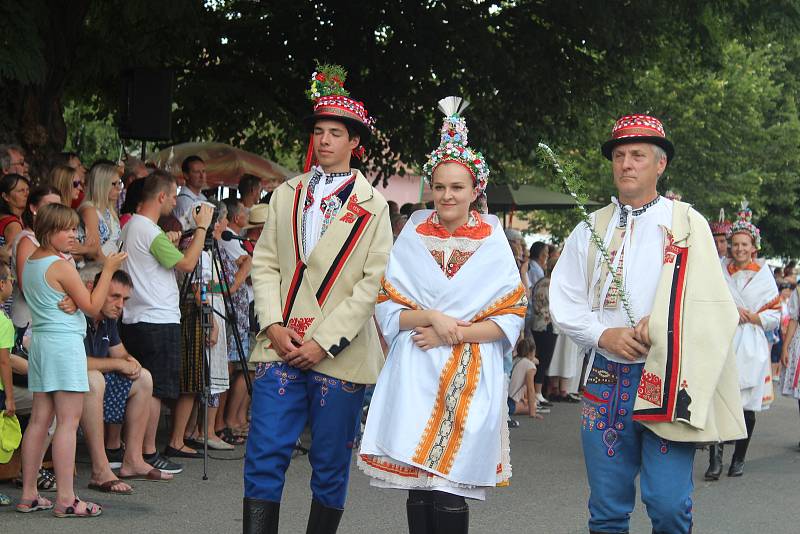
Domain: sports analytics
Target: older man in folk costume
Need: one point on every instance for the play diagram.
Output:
(451, 306)
(756, 295)
(317, 269)
(663, 374)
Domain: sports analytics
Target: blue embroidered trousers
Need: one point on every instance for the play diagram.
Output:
(284, 400)
(616, 449)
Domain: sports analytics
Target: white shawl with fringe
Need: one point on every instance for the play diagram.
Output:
(438, 417)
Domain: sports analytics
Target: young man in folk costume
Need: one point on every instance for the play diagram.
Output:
(719, 230)
(756, 295)
(317, 269)
(663, 375)
(451, 307)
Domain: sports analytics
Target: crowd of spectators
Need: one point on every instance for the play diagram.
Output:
(547, 366)
(120, 258)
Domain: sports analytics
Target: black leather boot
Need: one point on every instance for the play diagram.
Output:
(451, 520)
(740, 451)
(323, 520)
(420, 517)
(714, 462)
(737, 467)
(260, 516)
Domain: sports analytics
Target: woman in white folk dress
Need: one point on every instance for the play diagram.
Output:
(756, 295)
(451, 307)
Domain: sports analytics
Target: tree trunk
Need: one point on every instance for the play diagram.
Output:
(38, 109)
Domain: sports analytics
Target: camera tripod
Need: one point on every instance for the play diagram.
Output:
(205, 317)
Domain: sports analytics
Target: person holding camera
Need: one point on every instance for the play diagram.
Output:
(151, 325)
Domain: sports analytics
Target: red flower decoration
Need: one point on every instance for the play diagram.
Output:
(337, 80)
(320, 77)
(476, 162)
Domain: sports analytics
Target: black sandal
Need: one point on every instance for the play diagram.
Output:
(227, 435)
(46, 481)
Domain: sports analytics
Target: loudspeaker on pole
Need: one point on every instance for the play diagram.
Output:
(145, 111)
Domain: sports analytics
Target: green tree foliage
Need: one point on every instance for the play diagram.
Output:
(735, 126)
(722, 75)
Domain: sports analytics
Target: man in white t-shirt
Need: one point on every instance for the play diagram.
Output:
(194, 171)
(151, 328)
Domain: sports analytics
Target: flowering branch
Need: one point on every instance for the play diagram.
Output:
(574, 187)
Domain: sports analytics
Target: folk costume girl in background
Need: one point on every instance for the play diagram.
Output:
(451, 306)
(756, 295)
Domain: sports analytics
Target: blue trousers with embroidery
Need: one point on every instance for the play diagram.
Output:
(617, 449)
(284, 400)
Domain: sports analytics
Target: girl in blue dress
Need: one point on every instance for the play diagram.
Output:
(57, 372)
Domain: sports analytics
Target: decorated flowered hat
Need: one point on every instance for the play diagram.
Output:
(743, 225)
(638, 129)
(332, 101)
(453, 145)
(720, 226)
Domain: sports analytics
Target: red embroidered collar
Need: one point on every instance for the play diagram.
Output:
(475, 228)
(752, 266)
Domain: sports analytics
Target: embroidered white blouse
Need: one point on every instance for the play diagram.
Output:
(320, 186)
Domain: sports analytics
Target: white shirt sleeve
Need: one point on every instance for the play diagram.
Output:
(770, 319)
(183, 204)
(570, 307)
(794, 306)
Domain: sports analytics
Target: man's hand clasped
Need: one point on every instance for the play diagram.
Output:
(130, 368)
(292, 349)
(630, 343)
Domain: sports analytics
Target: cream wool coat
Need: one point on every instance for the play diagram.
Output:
(689, 389)
(329, 296)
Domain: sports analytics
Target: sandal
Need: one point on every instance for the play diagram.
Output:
(193, 440)
(115, 486)
(34, 505)
(90, 509)
(46, 481)
(154, 475)
(228, 436)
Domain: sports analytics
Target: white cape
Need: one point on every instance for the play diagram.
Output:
(758, 294)
(438, 417)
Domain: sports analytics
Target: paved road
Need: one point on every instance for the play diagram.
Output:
(548, 492)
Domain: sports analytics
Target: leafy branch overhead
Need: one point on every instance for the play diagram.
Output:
(724, 77)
